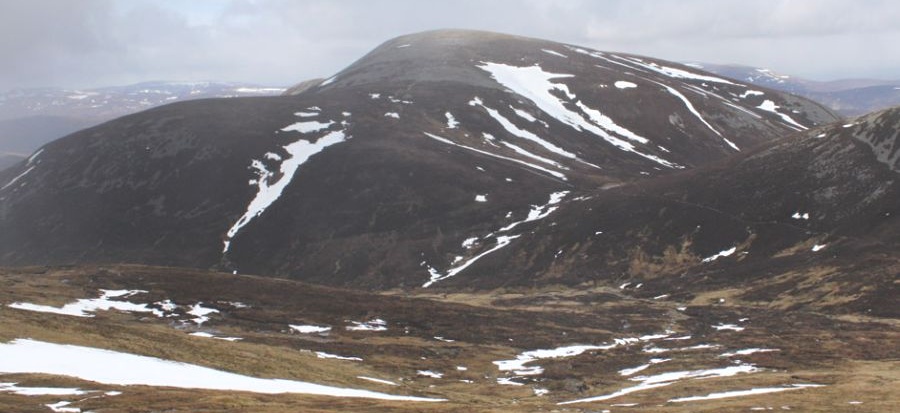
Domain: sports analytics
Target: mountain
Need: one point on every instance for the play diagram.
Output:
(460, 221)
(29, 118)
(369, 177)
(785, 223)
(849, 97)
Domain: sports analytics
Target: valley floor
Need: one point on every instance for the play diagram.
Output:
(137, 338)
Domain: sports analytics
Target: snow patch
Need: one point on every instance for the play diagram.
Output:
(451, 121)
(725, 253)
(665, 379)
(379, 381)
(751, 93)
(83, 307)
(555, 53)
(621, 84)
(727, 327)
(307, 126)
(429, 373)
(17, 178)
(309, 329)
(770, 106)
(268, 192)
(201, 313)
(371, 325)
(535, 84)
(742, 393)
(40, 391)
(36, 357)
(551, 172)
(324, 355)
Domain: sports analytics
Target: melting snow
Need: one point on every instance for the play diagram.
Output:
(394, 115)
(748, 351)
(372, 325)
(60, 407)
(534, 84)
(508, 381)
(469, 242)
(530, 165)
(742, 393)
(538, 391)
(309, 329)
(37, 357)
(451, 121)
(665, 379)
(380, 381)
(538, 212)
(674, 72)
(690, 107)
(728, 327)
(721, 254)
(751, 93)
(307, 126)
(524, 115)
(34, 156)
(621, 84)
(306, 114)
(480, 198)
(269, 192)
(40, 391)
(524, 134)
(818, 247)
(518, 365)
(554, 53)
(798, 215)
(200, 313)
(324, 355)
(502, 241)
(538, 158)
(17, 177)
(84, 306)
(429, 373)
(633, 370)
(769, 106)
(374, 95)
(208, 335)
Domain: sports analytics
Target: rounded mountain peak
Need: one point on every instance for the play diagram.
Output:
(448, 55)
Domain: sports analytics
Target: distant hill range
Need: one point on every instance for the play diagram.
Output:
(30, 118)
(848, 97)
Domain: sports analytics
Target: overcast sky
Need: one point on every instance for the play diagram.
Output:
(87, 43)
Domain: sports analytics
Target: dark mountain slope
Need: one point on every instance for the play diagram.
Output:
(812, 217)
(371, 176)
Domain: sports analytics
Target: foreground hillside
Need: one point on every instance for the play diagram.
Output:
(380, 175)
(507, 350)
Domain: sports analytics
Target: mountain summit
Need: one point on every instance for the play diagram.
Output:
(379, 174)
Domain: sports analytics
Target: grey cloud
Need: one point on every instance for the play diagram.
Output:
(100, 42)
